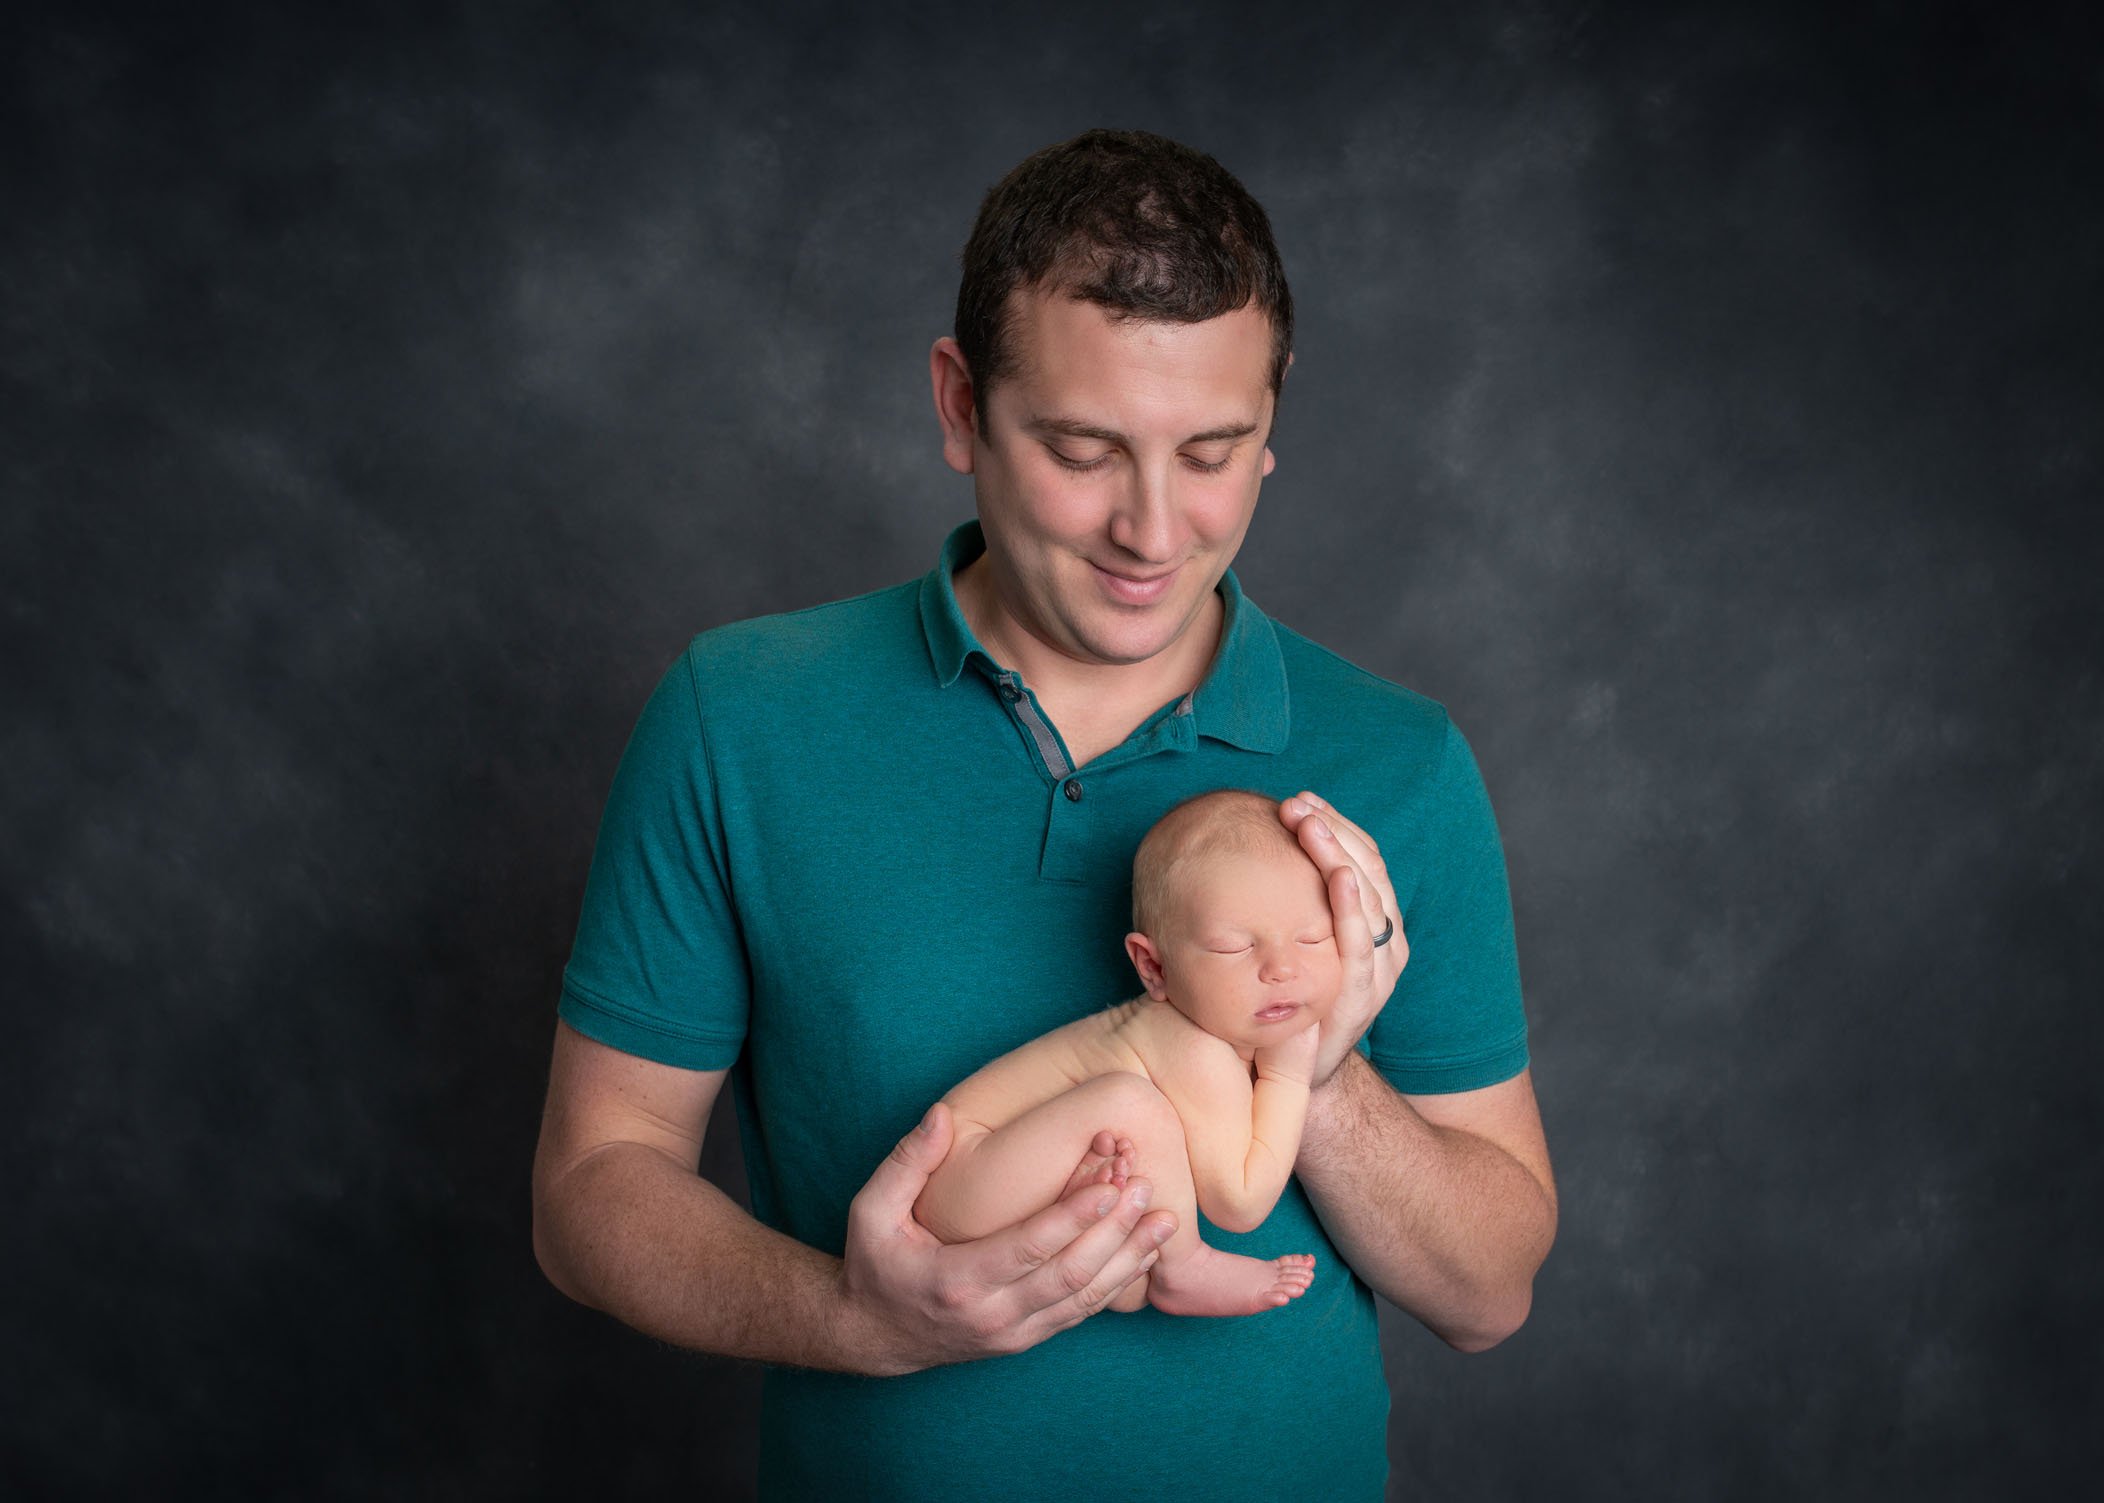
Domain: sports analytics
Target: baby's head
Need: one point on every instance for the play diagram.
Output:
(1232, 920)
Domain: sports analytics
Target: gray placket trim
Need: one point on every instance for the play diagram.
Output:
(1041, 733)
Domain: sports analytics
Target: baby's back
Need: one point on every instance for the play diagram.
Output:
(1049, 1065)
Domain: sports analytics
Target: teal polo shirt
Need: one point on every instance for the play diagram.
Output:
(847, 856)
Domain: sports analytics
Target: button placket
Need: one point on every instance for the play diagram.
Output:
(1025, 712)
(1070, 818)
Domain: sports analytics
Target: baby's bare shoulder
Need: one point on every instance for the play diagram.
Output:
(1171, 1044)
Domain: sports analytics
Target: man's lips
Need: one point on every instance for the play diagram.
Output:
(1134, 589)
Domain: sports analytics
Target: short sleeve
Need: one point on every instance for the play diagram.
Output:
(1455, 1021)
(658, 968)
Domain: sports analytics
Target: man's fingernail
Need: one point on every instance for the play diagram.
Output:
(1150, 1260)
(927, 1123)
(1321, 829)
(1295, 807)
(1351, 885)
(1142, 1196)
(1104, 1203)
(1160, 1234)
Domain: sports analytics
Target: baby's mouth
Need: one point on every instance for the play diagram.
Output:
(1277, 1012)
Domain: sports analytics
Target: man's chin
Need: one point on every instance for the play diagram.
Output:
(1129, 637)
(1128, 649)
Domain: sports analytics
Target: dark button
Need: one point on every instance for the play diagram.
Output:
(1010, 692)
(1073, 790)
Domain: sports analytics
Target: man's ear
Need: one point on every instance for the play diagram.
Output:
(956, 403)
(1148, 962)
(1270, 459)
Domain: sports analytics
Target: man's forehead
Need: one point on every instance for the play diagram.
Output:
(1078, 428)
(1075, 362)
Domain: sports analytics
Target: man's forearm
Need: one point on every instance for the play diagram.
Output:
(1445, 1224)
(629, 1231)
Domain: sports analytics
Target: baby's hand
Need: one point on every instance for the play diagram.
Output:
(1290, 1058)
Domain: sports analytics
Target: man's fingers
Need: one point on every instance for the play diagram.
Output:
(900, 1178)
(1137, 1254)
(1348, 907)
(1089, 1224)
(1363, 903)
(1356, 842)
(1349, 896)
(1088, 1274)
(1332, 841)
(1082, 1277)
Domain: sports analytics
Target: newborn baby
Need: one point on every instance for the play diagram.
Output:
(1201, 1085)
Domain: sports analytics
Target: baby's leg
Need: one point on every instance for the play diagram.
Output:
(992, 1180)
(996, 1179)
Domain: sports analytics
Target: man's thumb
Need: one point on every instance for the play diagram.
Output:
(907, 1167)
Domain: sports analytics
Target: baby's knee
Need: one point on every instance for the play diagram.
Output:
(1136, 1106)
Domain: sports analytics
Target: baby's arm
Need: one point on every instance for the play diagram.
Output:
(1242, 1135)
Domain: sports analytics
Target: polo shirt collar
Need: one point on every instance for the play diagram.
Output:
(1242, 700)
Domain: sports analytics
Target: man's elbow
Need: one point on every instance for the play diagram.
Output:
(549, 1247)
(1500, 1311)
(544, 1251)
(1491, 1325)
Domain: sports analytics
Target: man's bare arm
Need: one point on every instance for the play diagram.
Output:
(1444, 1204)
(622, 1222)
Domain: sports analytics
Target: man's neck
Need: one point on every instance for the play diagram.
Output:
(1094, 706)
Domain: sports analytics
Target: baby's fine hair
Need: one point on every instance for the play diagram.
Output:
(1227, 821)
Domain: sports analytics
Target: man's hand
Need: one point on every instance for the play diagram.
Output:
(1362, 904)
(919, 1303)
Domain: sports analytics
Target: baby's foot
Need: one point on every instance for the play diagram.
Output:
(1109, 1161)
(1211, 1282)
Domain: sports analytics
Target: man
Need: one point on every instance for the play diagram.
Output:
(855, 852)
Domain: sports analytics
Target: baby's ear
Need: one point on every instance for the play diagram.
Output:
(1148, 962)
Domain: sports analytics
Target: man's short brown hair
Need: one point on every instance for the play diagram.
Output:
(1135, 223)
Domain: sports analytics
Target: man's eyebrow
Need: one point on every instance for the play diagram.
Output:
(1071, 428)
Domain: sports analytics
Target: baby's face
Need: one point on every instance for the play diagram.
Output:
(1249, 951)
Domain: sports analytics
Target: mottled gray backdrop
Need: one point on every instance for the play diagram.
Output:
(1704, 405)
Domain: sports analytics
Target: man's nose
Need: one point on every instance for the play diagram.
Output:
(1146, 523)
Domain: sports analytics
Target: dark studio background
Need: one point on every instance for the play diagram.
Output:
(1703, 405)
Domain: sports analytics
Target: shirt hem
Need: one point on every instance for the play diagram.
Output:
(619, 1028)
(1443, 1077)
